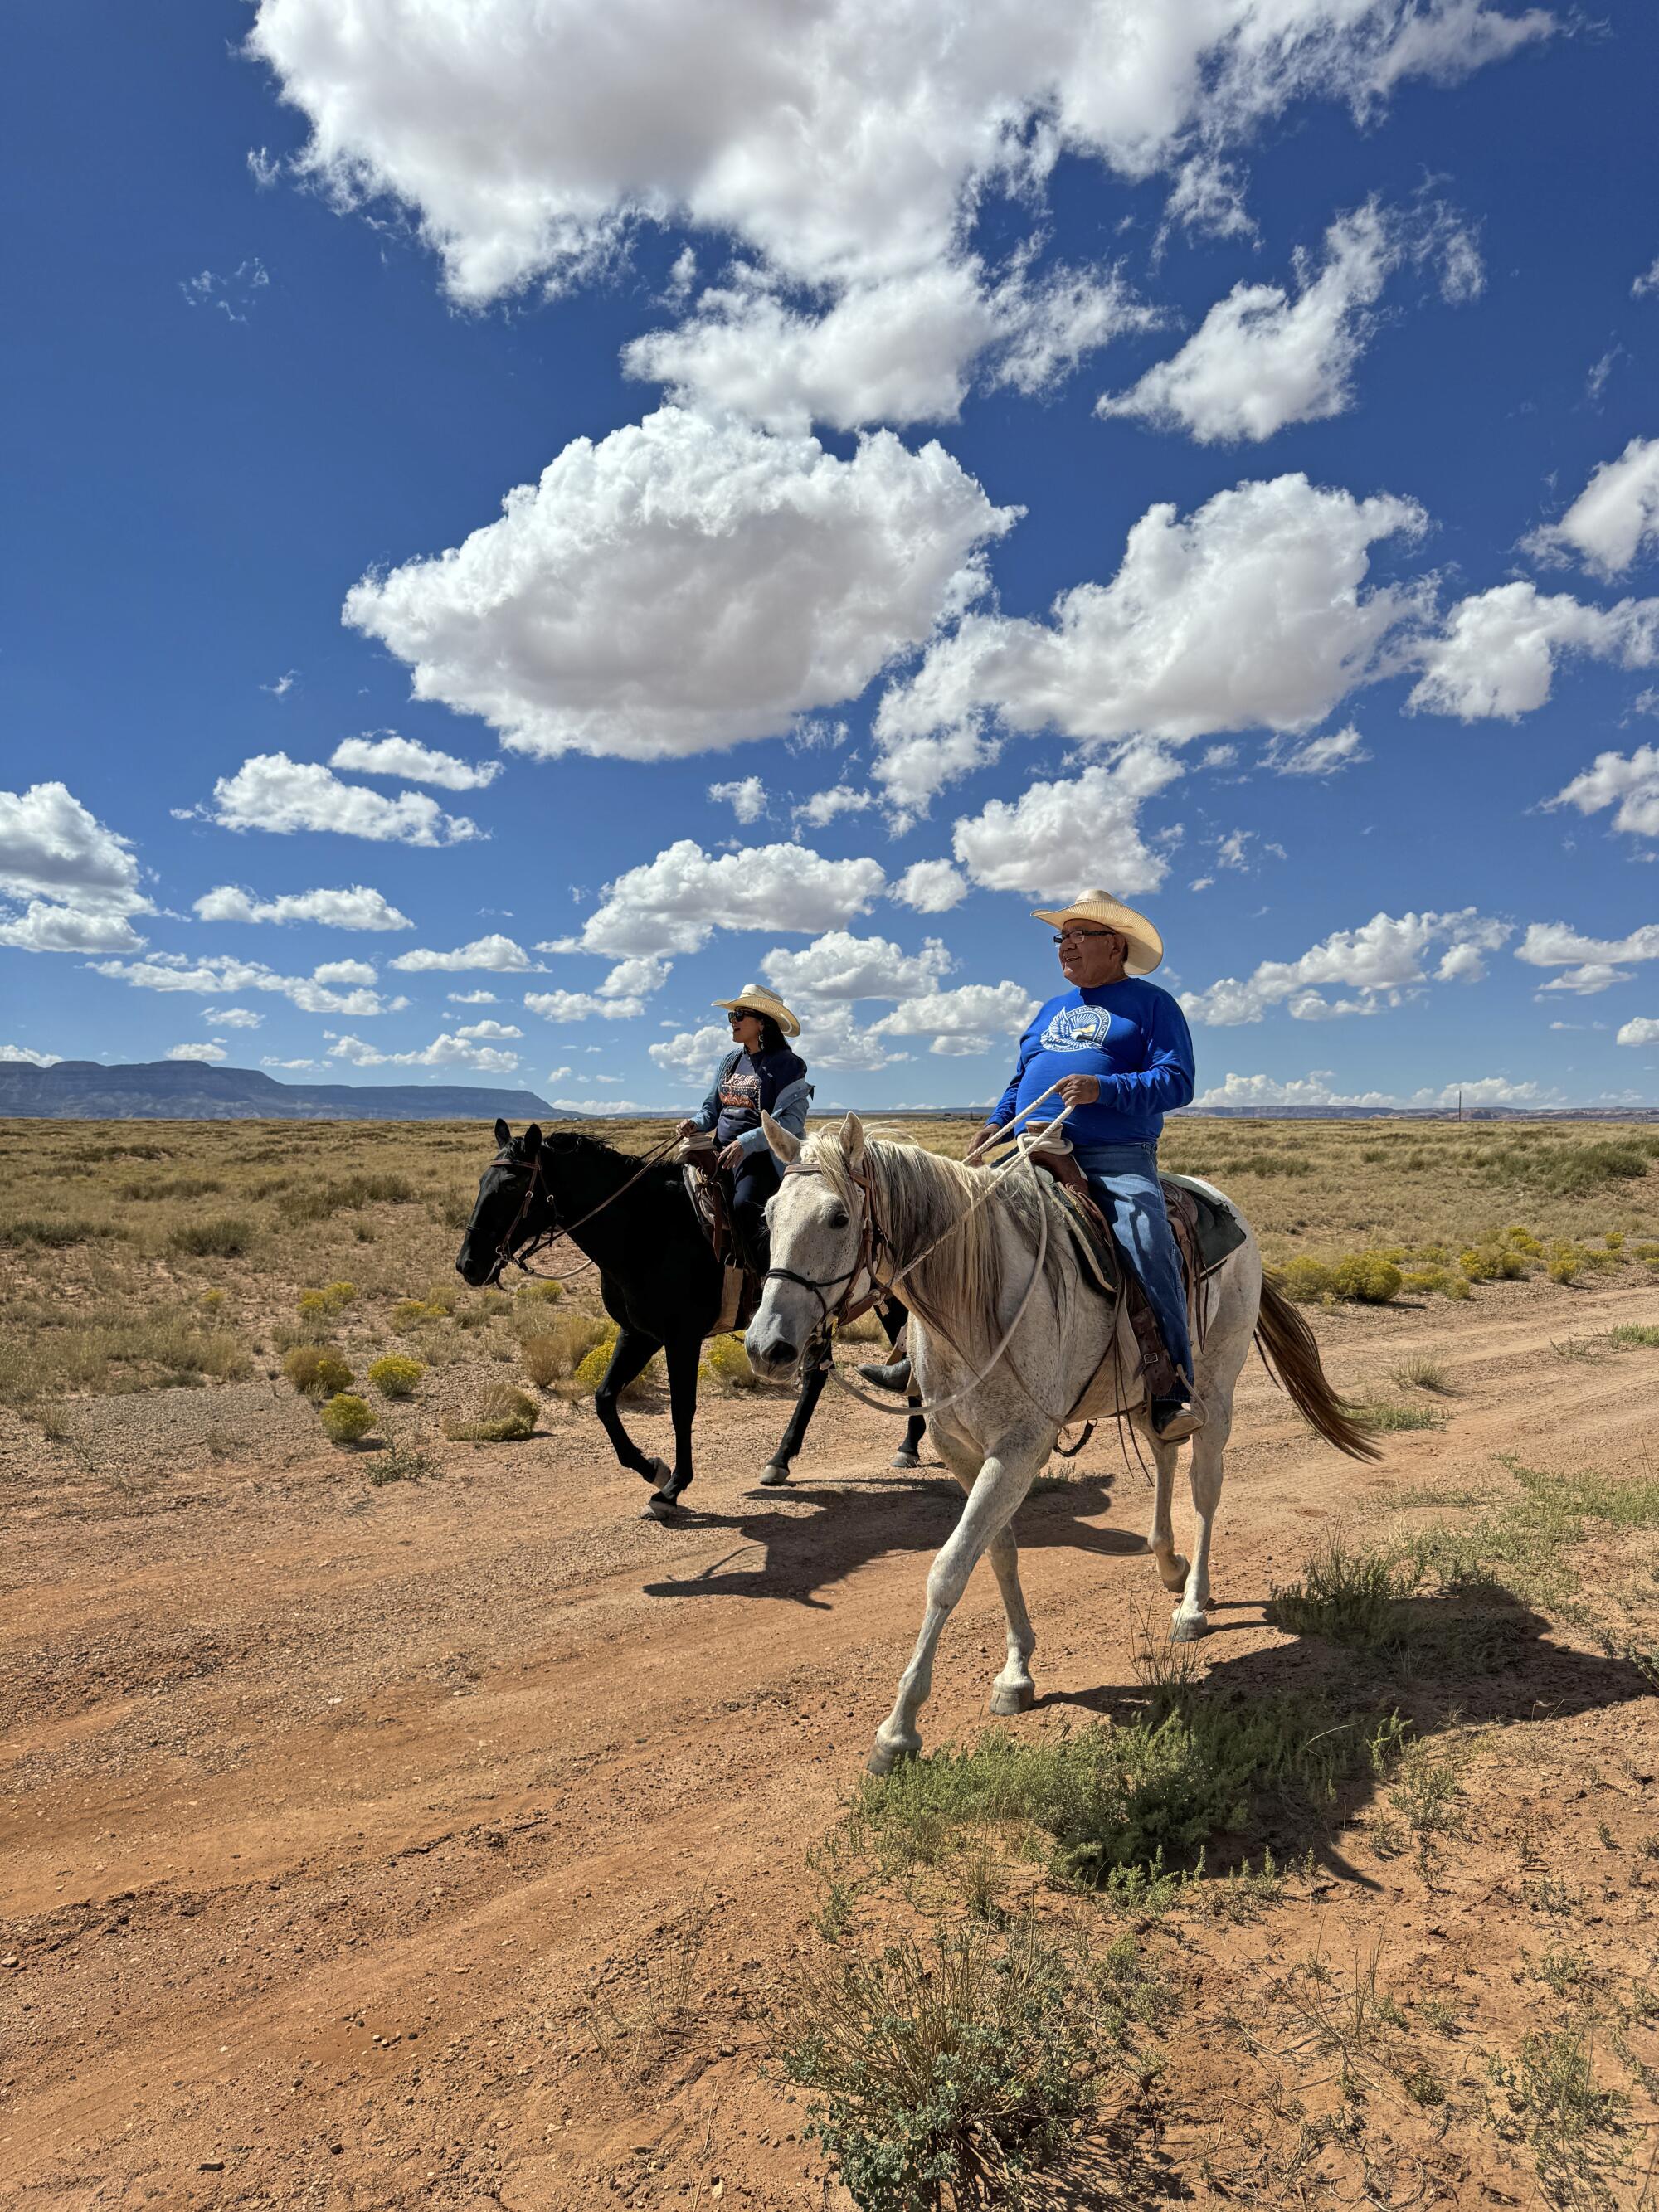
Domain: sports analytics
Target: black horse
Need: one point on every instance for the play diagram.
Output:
(661, 1282)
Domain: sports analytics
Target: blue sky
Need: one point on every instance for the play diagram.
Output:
(958, 474)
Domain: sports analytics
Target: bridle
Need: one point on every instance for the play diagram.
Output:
(846, 1308)
(506, 1254)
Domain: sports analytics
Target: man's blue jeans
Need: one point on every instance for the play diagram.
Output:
(1124, 1180)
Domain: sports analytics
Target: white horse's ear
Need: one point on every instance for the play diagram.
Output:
(852, 1140)
(786, 1147)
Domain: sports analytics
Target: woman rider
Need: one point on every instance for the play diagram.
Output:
(759, 1075)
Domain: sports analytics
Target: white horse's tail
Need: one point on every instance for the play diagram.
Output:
(1289, 1353)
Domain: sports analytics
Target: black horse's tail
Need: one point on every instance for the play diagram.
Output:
(1290, 1355)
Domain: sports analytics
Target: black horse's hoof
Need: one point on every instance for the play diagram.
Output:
(659, 1507)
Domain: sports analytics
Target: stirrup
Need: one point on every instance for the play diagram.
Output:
(1175, 1422)
(895, 1377)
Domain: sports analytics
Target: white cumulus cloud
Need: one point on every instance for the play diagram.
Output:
(209, 1052)
(234, 1017)
(966, 1020)
(581, 1005)
(1314, 1089)
(1073, 830)
(1384, 957)
(824, 805)
(1250, 612)
(413, 761)
(1642, 1030)
(79, 879)
(1324, 755)
(356, 908)
(745, 796)
(674, 903)
(1614, 518)
(26, 1052)
(1558, 944)
(446, 1050)
(271, 792)
(685, 584)
(1496, 653)
(839, 965)
(493, 951)
(220, 975)
(930, 886)
(1629, 785)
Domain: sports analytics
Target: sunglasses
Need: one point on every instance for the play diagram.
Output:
(1071, 936)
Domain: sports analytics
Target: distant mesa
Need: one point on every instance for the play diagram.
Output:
(187, 1091)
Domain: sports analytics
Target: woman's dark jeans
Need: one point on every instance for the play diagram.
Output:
(754, 1182)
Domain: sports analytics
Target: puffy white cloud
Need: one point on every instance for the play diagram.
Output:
(26, 1052)
(636, 977)
(1496, 655)
(1250, 612)
(1558, 944)
(1642, 1030)
(1260, 359)
(271, 792)
(1615, 515)
(1486, 1091)
(824, 805)
(209, 1052)
(899, 350)
(965, 1020)
(444, 1051)
(236, 1017)
(1380, 960)
(1631, 785)
(580, 1005)
(1073, 830)
(1314, 1089)
(493, 951)
(746, 797)
(843, 143)
(693, 1053)
(1338, 748)
(830, 1037)
(930, 886)
(218, 975)
(357, 908)
(416, 762)
(471, 998)
(1647, 281)
(488, 1032)
(674, 903)
(685, 584)
(838, 965)
(269, 1060)
(1586, 979)
(80, 879)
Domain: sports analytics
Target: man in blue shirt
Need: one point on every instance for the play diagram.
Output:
(1119, 1051)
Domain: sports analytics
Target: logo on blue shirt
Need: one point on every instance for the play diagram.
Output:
(1077, 1029)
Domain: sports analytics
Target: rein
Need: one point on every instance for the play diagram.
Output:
(506, 1257)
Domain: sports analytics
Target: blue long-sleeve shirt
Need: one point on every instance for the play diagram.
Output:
(1131, 1036)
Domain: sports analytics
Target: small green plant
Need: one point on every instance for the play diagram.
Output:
(1367, 1278)
(315, 1370)
(544, 1292)
(556, 1350)
(398, 1462)
(1614, 1240)
(220, 1238)
(395, 1375)
(1421, 1374)
(1345, 1596)
(413, 1313)
(322, 1305)
(947, 2073)
(1634, 1333)
(1307, 1280)
(1564, 1268)
(505, 1415)
(346, 1419)
(210, 1302)
(1437, 1282)
(728, 1361)
(1384, 1416)
(591, 1369)
(1573, 2127)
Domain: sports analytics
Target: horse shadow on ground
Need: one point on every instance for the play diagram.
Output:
(793, 1556)
(1472, 1658)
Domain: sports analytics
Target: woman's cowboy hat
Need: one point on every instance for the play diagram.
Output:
(1146, 946)
(755, 1000)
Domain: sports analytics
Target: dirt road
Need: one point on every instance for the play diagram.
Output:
(357, 1839)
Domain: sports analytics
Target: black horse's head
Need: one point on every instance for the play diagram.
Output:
(513, 1207)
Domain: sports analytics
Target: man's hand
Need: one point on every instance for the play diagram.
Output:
(1079, 1089)
(685, 1128)
(733, 1157)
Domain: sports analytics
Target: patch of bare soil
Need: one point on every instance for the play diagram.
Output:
(443, 1844)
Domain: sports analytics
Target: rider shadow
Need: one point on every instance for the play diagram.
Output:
(802, 1555)
(1474, 1658)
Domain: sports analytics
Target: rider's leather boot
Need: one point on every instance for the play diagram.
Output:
(895, 1377)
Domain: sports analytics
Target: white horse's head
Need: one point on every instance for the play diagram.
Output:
(816, 1220)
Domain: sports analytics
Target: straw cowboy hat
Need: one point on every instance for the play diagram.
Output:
(1146, 946)
(756, 999)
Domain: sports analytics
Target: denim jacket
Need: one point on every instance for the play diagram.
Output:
(786, 1104)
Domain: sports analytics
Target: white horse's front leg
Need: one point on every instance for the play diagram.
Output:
(1208, 1446)
(1002, 1481)
(1013, 1690)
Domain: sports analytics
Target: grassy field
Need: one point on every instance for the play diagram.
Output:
(140, 1255)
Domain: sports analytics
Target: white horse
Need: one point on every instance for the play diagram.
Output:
(1009, 1341)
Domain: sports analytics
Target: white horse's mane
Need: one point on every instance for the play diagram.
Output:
(927, 1205)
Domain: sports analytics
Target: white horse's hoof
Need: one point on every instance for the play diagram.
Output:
(1005, 1703)
(884, 1758)
(774, 1476)
(1188, 1628)
(905, 1459)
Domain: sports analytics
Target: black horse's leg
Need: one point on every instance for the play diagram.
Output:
(776, 1470)
(894, 1313)
(634, 1347)
(683, 1354)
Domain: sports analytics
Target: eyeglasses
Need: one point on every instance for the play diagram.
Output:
(1071, 936)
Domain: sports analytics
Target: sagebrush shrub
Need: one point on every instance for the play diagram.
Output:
(544, 1292)
(505, 1415)
(220, 1238)
(1564, 1268)
(316, 1371)
(396, 1375)
(1367, 1278)
(333, 1299)
(346, 1418)
(727, 1360)
(1307, 1280)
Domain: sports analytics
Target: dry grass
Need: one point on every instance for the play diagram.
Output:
(139, 1255)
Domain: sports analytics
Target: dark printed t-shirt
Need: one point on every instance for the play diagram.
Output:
(749, 1085)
